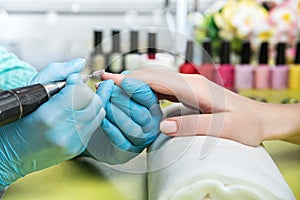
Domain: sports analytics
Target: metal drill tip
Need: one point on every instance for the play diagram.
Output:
(60, 84)
(97, 74)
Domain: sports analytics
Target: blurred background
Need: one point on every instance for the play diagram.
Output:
(45, 31)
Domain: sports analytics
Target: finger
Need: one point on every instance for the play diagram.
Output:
(89, 112)
(117, 78)
(116, 137)
(131, 130)
(139, 91)
(105, 90)
(77, 95)
(58, 71)
(132, 109)
(224, 125)
(166, 82)
(88, 127)
(162, 93)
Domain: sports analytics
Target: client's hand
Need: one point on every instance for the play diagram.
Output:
(58, 130)
(225, 114)
(131, 123)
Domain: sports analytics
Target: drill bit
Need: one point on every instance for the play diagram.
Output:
(95, 75)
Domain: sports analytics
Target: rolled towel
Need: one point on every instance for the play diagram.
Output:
(229, 171)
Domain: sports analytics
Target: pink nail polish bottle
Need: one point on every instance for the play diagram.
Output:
(225, 69)
(244, 71)
(279, 80)
(262, 72)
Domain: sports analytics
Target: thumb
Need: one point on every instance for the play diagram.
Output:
(223, 125)
(191, 125)
(58, 71)
(181, 126)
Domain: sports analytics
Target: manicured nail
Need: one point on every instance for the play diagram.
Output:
(168, 127)
(97, 85)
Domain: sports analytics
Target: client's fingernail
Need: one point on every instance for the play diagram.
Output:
(97, 85)
(168, 127)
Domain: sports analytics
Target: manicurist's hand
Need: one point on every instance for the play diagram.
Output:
(131, 124)
(225, 114)
(57, 131)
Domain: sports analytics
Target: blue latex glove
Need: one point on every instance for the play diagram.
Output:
(58, 130)
(131, 124)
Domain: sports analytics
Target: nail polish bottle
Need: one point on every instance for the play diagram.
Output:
(244, 71)
(150, 55)
(155, 58)
(151, 50)
(207, 68)
(115, 63)
(262, 73)
(279, 77)
(188, 67)
(98, 58)
(225, 69)
(294, 79)
(132, 59)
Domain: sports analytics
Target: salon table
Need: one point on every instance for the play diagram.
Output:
(78, 179)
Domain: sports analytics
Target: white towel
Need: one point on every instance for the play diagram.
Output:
(230, 171)
(178, 171)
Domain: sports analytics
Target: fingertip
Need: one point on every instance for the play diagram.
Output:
(74, 79)
(169, 127)
(105, 90)
(117, 78)
(106, 85)
(78, 63)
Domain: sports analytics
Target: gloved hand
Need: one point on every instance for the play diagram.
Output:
(132, 121)
(58, 130)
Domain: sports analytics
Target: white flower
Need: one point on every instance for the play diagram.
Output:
(247, 20)
(283, 17)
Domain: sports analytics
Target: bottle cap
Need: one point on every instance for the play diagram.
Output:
(280, 56)
(98, 40)
(115, 40)
(246, 52)
(225, 52)
(264, 53)
(297, 57)
(207, 47)
(189, 52)
(151, 43)
(134, 41)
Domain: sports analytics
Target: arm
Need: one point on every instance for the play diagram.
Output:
(57, 131)
(13, 71)
(225, 114)
(282, 121)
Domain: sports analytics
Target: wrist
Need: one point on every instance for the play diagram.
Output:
(281, 122)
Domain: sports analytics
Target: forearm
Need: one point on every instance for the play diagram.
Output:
(281, 122)
(13, 71)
